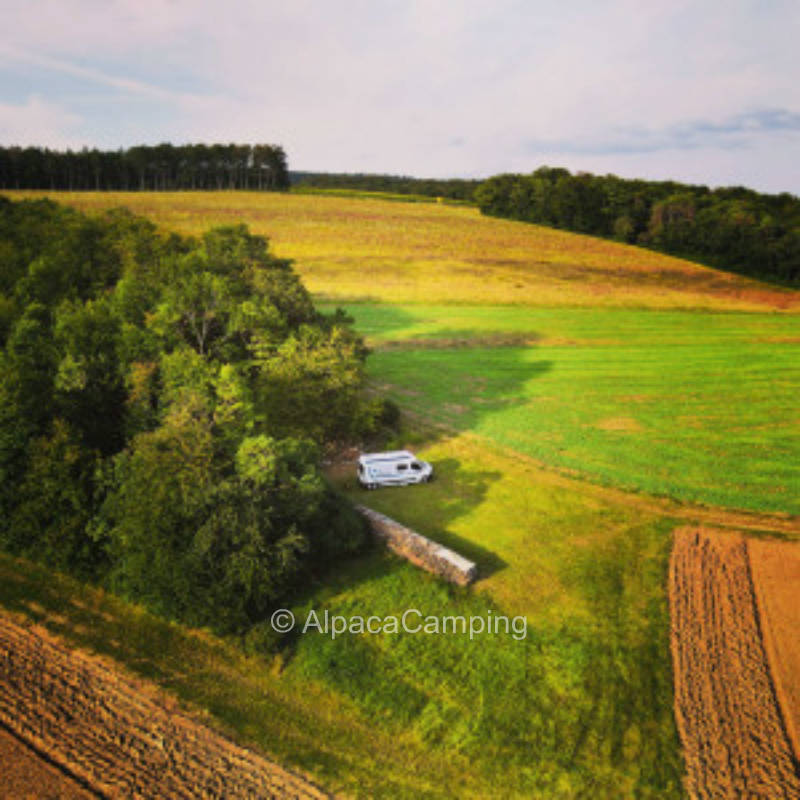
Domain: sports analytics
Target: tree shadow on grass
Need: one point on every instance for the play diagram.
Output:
(455, 492)
(455, 387)
(445, 383)
(430, 509)
(372, 318)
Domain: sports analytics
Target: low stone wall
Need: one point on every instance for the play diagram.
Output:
(419, 550)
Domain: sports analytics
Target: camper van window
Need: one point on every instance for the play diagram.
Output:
(416, 466)
(402, 466)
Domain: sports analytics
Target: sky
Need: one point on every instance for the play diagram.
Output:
(701, 91)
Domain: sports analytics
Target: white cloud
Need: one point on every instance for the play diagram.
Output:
(58, 65)
(101, 27)
(388, 86)
(38, 123)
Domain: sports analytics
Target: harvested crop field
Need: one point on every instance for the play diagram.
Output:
(775, 566)
(726, 707)
(27, 775)
(118, 735)
(357, 248)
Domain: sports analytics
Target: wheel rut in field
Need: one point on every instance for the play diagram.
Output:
(777, 522)
(118, 735)
(727, 708)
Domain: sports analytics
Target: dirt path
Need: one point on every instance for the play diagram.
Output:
(735, 741)
(118, 734)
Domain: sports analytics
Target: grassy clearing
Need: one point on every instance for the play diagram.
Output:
(700, 407)
(401, 252)
(582, 706)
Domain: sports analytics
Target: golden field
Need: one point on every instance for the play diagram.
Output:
(370, 249)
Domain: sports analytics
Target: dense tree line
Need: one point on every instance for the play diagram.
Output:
(451, 188)
(732, 228)
(163, 167)
(163, 403)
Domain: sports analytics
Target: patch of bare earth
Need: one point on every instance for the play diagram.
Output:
(624, 424)
(118, 735)
(28, 776)
(727, 711)
(775, 566)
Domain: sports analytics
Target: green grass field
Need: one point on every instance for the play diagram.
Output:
(537, 367)
(701, 407)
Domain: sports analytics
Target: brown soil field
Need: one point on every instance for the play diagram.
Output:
(775, 566)
(27, 776)
(119, 735)
(727, 711)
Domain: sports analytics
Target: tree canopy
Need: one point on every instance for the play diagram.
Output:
(159, 167)
(732, 228)
(163, 403)
(460, 189)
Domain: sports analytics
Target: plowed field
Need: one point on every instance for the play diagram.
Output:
(117, 734)
(27, 776)
(776, 576)
(730, 721)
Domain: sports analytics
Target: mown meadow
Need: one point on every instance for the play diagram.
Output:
(535, 367)
(701, 407)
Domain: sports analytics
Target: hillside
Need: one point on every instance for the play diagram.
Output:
(581, 401)
(360, 249)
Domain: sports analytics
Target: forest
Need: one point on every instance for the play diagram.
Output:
(451, 188)
(733, 228)
(164, 403)
(163, 167)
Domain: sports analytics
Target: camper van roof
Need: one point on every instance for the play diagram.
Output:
(392, 455)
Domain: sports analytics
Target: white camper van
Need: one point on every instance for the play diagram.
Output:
(396, 468)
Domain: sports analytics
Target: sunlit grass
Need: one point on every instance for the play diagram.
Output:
(696, 406)
(582, 705)
(363, 248)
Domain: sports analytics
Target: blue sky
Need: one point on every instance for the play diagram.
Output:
(703, 91)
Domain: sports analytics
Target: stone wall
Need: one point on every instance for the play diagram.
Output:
(419, 550)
